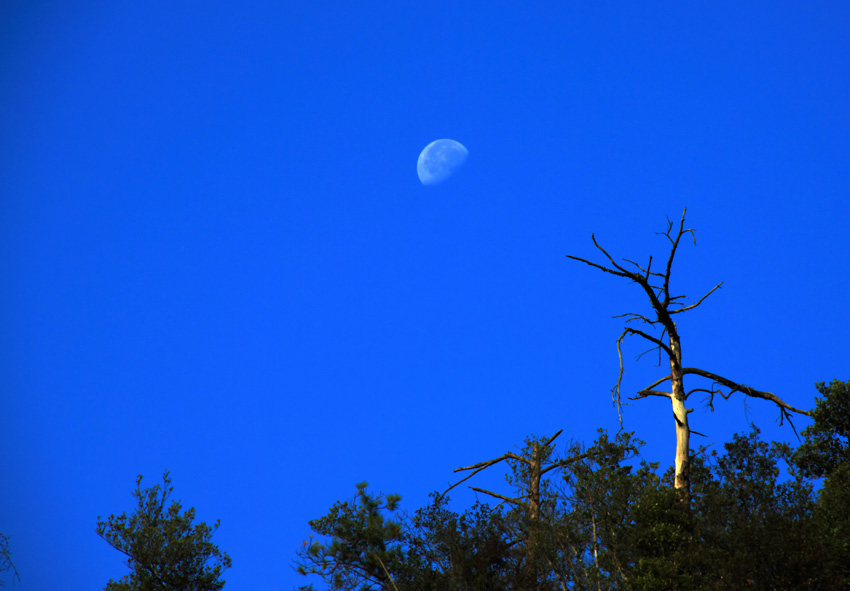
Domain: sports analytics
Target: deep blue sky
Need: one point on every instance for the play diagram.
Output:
(217, 258)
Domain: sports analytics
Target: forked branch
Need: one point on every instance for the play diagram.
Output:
(664, 306)
(692, 306)
(784, 408)
(674, 246)
(747, 390)
(541, 448)
(479, 467)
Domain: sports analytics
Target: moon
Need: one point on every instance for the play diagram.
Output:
(439, 160)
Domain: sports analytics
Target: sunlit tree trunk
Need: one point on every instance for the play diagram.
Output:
(680, 415)
(656, 286)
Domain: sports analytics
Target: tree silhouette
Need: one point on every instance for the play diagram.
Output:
(164, 549)
(6, 563)
(366, 548)
(656, 286)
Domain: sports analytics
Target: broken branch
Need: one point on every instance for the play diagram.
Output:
(645, 393)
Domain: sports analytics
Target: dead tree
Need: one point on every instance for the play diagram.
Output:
(656, 286)
(531, 499)
(536, 466)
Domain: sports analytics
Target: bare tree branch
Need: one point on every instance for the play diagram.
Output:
(568, 461)
(489, 462)
(386, 572)
(752, 392)
(478, 468)
(658, 381)
(608, 256)
(673, 248)
(6, 559)
(711, 392)
(601, 268)
(647, 273)
(549, 441)
(641, 269)
(692, 306)
(484, 465)
(649, 338)
(632, 316)
(615, 391)
(498, 496)
(645, 393)
(665, 305)
(726, 396)
(536, 459)
(648, 351)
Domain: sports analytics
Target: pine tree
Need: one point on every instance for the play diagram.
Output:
(164, 549)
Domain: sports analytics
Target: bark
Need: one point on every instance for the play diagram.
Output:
(534, 476)
(680, 414)
(534, 481)
(664, 306)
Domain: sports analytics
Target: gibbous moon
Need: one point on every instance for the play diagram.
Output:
(439, 160)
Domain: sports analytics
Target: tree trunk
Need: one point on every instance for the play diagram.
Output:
(534, 477)
(534, 469)
(682, 480)
(656, 285)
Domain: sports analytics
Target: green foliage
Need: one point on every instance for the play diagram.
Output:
(832, 518)
(165, 551)
(588, 532)
(827, 441)
(825, 453)
(661, 542)
(365, 550)
(606, 521)
(755, 526)
(468, 552)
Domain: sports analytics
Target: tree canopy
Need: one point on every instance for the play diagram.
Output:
(165, 549)
(754, 515)
(761, 517)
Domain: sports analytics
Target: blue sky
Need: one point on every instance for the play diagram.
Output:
(218, 259)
